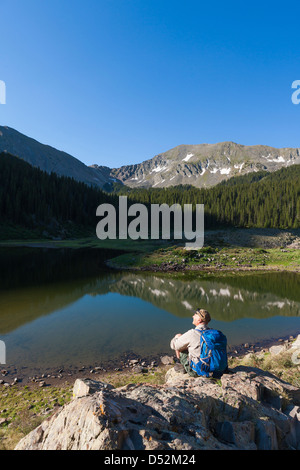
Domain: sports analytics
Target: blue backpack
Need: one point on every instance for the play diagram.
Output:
(213, 354)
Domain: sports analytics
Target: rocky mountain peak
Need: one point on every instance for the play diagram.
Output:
(204, 165)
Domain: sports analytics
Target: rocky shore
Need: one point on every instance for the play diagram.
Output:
(207, 268)
(247, 409)
(128, 363)
(25, 405)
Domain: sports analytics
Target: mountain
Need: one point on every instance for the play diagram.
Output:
(202, 165)
(205, 165)
(50, 159)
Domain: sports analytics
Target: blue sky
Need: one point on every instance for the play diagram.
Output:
(115, 82)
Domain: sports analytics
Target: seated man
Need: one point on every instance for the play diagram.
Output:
(187, 346)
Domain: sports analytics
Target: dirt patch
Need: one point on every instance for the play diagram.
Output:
(254, 238)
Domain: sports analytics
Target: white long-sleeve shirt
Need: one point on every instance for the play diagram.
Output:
(189, 341)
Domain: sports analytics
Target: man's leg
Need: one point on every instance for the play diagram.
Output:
(184, 360)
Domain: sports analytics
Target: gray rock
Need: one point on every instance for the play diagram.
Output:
(296, 343)
(137, 369)
(296, 356)
(183, 414)
(167, 360)
(266, 435)
(278, 349)
(293, 411)
(85, 387)
(225, 432)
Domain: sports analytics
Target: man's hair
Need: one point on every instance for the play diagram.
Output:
(203, 314)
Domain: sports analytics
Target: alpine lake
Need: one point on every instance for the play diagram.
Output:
(64, 308)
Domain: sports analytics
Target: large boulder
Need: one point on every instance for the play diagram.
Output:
(247, 409)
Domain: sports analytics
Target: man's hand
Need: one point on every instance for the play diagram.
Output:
(178, 352)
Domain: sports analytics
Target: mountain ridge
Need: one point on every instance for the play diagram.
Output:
(199, 165)
(48, 158)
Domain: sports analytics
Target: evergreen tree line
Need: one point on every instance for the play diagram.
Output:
(31, 197)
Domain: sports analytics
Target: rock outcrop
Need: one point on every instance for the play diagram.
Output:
(247, 409)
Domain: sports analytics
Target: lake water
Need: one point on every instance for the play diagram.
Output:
(64, 308)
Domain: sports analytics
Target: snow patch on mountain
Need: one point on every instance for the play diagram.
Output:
(188, 157)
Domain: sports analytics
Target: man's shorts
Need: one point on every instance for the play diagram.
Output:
(184, 360)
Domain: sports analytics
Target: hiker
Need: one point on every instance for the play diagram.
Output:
(187, 346)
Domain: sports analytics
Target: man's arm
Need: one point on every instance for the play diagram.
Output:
(181, 342)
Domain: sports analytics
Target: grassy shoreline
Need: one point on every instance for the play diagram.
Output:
(211, 259)
(217, 255)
